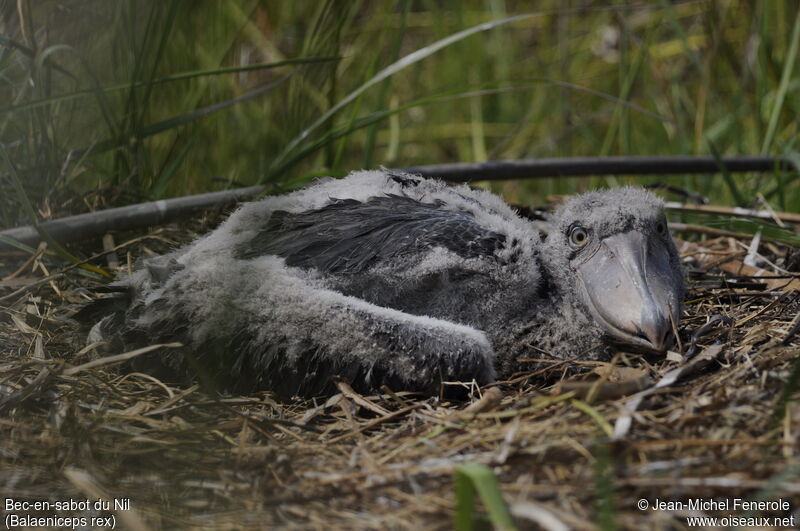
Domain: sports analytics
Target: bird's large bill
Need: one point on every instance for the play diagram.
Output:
(631, 290)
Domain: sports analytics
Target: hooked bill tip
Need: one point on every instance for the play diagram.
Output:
(657, 334)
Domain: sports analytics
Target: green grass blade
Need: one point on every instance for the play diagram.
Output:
(678, 29)
(176, 121)
(164, 179)
(789, 388)
(338, 132)
(726, 175)
(604, 487)
(474, 477)
(181, 76)
(477, 134)
(783, 181)
(102, 101)
(341, 131)
(14, 243)
(601, 422)
(373, 131)
(615, 126)
(788, 66)
(390, 70)
(168, 27)
(5, 41)
(743, 225)
(464, 518)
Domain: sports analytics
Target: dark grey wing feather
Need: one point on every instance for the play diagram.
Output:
(348, 236)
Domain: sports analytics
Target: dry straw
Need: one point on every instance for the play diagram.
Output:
(715, 420)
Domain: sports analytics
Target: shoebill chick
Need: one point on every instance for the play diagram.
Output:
(388, 278)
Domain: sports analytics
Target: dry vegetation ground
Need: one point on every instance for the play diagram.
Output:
(711, 422)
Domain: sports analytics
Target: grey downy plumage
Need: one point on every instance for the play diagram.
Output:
(388, 278)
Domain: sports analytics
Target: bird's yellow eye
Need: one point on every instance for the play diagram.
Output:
(578, 236)
(661, 228)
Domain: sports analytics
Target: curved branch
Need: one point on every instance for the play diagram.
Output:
(93, 224)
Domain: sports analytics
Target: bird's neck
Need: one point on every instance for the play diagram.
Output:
(556, 327)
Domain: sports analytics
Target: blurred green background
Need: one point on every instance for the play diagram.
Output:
(104, 103)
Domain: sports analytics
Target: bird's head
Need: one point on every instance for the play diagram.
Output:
(612, 251)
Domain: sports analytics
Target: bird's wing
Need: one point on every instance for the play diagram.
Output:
(349, 236)
(299, 335)
(281, 332)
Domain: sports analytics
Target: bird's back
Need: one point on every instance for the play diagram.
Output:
(402, 242)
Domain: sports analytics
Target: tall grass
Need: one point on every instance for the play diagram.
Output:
(112, 102)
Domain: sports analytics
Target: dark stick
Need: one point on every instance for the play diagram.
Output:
(94, 224)
(583, 166)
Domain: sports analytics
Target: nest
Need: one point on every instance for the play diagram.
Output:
(713, 420)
